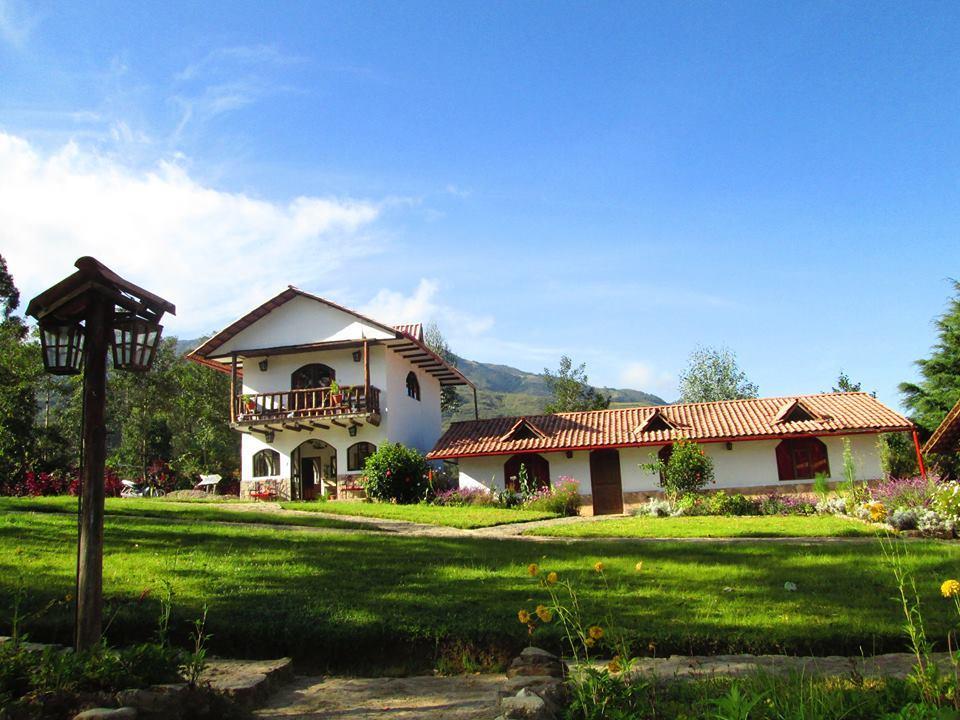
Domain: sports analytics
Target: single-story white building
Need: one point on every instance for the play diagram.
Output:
(756, 445)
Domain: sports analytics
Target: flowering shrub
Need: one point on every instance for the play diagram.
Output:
(562, 499)
(59, 483)
(905, 492)
(656, 508)
(933, 524)
(832, 506)
(946, 499)
(464, 496)
(871, 511)
(688, 470)
(904, 519)
(395, 473)
(777, 504)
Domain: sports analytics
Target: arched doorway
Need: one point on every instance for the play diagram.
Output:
(313, 467)
(537, 467)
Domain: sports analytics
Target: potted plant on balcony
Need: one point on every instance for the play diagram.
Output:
(247, 403)
(336, 397)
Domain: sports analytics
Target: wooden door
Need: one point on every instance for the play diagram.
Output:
(605, 482)
(307, 478)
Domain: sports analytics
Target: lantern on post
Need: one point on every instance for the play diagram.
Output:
(62, 347)
(135, 343)
(82, 318)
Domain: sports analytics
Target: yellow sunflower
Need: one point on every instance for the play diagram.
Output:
(533, 569)
(595, 632)
(544, 613)
(523, 616)
(552, 578)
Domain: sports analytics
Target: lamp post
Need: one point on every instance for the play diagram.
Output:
(81, 318)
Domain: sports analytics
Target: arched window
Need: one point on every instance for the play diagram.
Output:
(266, 463)
(801, 459)
(413, 385)
(314, 375)
(358, 453)
(538, 471)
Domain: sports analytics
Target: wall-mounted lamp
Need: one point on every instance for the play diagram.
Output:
(569, 454)
(262, 365)
(269, 436)
(729, 446)
(357, 355)
(352, 431)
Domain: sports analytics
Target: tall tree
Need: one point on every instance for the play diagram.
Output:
(20, 369)
(713, 374)
(202, 439)
(570, 389)
(930, 399)
(450, 400)
(845, 384)
(139, 408)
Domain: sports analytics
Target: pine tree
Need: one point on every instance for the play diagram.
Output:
(939, 389)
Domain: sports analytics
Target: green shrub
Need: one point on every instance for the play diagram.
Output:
(898, 457)
(562, 499)
(946, 499)
(395, 473)
(689, 470)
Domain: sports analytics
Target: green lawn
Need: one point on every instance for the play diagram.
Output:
(374, 601)
(712, 526)
(174, 510)
(466, 517)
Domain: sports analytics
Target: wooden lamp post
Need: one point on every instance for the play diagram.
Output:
(81, 318)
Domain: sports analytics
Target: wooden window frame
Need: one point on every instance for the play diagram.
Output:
(261, 456)
(353, 453)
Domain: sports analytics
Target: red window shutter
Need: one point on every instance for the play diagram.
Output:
(785, 461)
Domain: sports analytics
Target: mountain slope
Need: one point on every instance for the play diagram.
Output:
(505, 390)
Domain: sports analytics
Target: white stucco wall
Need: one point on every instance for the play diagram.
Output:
(403, 419)
(748, 464)
(299, 321)
(406, 420)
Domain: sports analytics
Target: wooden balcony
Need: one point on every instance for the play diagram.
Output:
(304, 409)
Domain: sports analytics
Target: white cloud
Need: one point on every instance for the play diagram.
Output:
(16, 25)
(641, 376)
(391, 306)
(215, 254)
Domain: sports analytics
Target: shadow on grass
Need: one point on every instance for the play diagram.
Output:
(380, 601)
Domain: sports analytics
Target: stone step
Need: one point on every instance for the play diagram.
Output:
(247, 682)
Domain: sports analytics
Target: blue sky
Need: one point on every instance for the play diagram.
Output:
(615, 181)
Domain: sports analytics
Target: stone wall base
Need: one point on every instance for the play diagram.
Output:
(281, 485)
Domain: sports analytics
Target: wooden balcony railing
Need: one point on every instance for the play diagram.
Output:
(311, 402)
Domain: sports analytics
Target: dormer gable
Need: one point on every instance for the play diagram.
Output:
(657, 421)
(523, 429)
(794, 411)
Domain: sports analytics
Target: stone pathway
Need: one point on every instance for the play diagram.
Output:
(688, 667)
(470, 697)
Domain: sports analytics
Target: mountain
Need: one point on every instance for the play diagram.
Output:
(504, 390)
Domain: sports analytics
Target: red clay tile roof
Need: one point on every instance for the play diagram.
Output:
(837, 414)
(414, 330)
(946, 438)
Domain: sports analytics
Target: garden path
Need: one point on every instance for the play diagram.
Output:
(468, 697)
(512, 531)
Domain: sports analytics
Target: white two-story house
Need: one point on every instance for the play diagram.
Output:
(316, 388)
